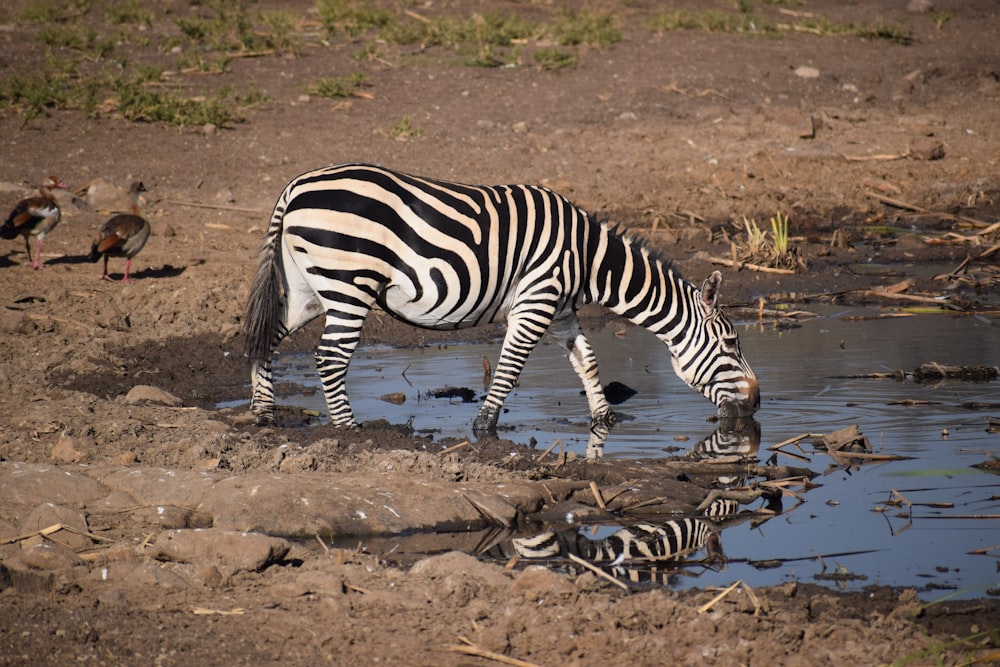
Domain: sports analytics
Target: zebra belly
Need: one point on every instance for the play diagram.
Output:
(403, 304)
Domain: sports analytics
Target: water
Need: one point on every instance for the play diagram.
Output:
(806, 387)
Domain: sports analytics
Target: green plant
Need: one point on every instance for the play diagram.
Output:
(574, 28)
(130, 12)
(405, 129)
(779, 229)
(47, 11)
(75, 36)
(551, 57)
(282, 26)
(940, 18)
(336, 87)
(350, 17)
(758, 248)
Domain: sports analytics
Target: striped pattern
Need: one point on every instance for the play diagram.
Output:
(641, 552)
(440, 255)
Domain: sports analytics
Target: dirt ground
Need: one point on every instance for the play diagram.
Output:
(882, 153)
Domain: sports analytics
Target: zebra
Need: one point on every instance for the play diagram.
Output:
(646, 542)
(441, 255)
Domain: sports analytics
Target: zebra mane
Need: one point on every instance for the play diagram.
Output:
(635, 239)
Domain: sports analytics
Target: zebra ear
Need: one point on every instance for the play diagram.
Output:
(710, 291)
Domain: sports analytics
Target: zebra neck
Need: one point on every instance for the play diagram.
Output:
(629, 279)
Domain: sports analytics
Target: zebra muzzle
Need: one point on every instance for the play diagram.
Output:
(745, 405)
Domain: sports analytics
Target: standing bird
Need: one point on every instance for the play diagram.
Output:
(123, 235)
(35, 216)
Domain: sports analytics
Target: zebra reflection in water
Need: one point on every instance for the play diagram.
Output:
(654, 552)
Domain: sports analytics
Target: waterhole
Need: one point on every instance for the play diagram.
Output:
(851, 529)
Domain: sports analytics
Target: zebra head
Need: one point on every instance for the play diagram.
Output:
(708, 357)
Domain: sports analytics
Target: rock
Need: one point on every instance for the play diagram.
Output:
(126, 459)
(230, 551)
(458, 563)
(143, 394)
(46, 555)
(68, 450)
(61, 486)
(298, 463)
(920, 6)
(49, 514)
(806, 72)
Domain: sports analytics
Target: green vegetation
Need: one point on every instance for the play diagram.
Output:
(573, 28)
(759, 248)
(779, 230)
(336, 87)
(550, 57)
(405, 130)
(83, 72)
(745, 21)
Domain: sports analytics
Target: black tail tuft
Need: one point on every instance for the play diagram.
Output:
(263, 312)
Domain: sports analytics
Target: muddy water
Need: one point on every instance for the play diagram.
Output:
(807, 384)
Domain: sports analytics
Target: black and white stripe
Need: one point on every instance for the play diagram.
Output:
(442, 255)
(638, 543)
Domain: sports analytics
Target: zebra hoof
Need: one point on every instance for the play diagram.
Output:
(265, 420)
(485, 424)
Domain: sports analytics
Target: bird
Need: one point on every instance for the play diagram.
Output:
(123, 235)
(35, 216)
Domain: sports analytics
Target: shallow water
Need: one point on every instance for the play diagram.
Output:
(806, 387)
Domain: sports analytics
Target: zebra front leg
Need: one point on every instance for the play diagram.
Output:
(569, 334)
(523, 333)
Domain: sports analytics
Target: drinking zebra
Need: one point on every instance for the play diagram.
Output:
(442, 255)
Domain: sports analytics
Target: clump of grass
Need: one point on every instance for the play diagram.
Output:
(336, 87)
(48, 11)
(709, 20)
(128, 12)
(136, 102)
(283, 28)
(573, 28)
(940, 18)
(56, 86)
(351, 18)
(779, 230)
(552, 58)
(405, 130)
(758, 247)
(77, 37)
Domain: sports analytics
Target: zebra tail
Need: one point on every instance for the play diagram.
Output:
(263, 313)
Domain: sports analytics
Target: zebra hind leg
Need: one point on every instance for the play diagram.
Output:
(262, 385)
(333, 356)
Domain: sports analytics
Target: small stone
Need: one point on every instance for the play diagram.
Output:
(68, 450)
(207, 464)
(298, 463)
(126, 459)
(806, 72)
